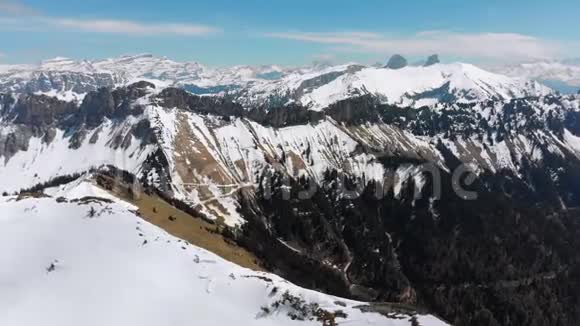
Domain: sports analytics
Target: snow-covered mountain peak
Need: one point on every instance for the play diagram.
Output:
(419, 85)
(64, 64)
(147, 65)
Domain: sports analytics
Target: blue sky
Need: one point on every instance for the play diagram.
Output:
(227, 32)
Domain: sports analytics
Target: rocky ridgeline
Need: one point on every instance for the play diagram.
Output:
(397, 61)
(66, 81)
(432, 60)
(492, 120)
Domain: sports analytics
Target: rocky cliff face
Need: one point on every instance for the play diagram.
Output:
(70, 85)
(431, 60)
(359, 199)
(397, 61)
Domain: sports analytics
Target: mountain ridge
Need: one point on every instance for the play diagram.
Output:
(316, 86)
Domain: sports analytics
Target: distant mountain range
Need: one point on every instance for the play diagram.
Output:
(315, 87)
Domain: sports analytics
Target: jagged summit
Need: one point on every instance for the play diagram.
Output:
(418, 86)
(431, 60)
(66, 64)
(396, 61)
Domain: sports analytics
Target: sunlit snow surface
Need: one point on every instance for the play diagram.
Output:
(62, 267)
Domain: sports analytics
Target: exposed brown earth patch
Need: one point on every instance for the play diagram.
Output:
(189, 228)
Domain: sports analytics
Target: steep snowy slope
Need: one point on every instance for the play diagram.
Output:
(90, 261)
(43, 160)
(213, 159)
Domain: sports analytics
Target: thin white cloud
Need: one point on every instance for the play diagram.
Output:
(495, 46)
(18, 16)
(15, 8)
(132, 28)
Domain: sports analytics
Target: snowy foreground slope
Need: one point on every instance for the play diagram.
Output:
(63, 265)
